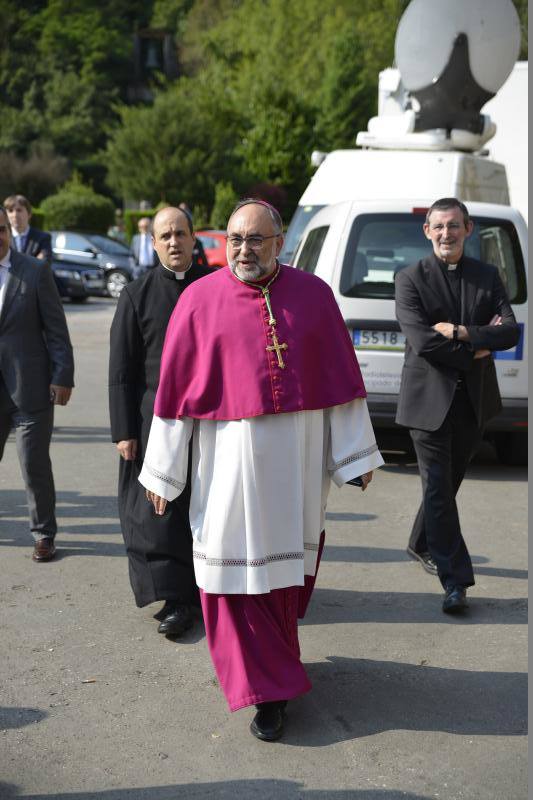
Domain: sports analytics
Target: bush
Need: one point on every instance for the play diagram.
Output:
(78, 207)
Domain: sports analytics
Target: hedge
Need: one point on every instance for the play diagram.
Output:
(78, 207)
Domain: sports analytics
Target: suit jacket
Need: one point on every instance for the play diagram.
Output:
(38, 243)
(35, 348)
(434, 363)
(136, 250)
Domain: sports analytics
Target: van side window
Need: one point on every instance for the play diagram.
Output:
(312, 247)
(495, 244)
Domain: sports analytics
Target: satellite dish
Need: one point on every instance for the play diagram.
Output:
(454, 56)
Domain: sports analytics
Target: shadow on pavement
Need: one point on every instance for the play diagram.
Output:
(341, 606)
(348, 516)
(14, 525)
(18, 717)
(66, 434)
(258, 789)
(361, 697)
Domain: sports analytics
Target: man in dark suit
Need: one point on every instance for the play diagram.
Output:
(159, 549)
(36, 372)
(24, 237)
(454, 312)
(142, 246)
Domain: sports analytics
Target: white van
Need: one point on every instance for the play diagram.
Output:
(358, 246)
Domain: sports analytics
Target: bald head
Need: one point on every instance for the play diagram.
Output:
(173, 238)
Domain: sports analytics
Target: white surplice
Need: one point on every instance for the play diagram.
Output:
(259, 489)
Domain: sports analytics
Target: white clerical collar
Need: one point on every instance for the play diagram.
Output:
(451, 267)
(178, 275)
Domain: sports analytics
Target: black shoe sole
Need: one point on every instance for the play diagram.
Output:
(175, 631)
(456, 609)
(415, 555)
(266, 737)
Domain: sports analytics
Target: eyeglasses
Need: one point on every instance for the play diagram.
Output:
(253, 242)
(451, 226)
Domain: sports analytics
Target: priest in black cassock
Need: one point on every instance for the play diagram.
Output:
(159, 548)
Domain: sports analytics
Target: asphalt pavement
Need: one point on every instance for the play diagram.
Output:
(406, 702)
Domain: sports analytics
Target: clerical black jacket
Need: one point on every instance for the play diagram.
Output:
(433, 364)
(137, 336)
(159, 548)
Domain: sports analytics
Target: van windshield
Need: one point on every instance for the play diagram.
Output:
(302, 216)
(380, 245)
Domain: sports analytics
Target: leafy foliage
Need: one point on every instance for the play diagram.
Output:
(261, 86)
(78, 207)
(35, 176)
(225, 201)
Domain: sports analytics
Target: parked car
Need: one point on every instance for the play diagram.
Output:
(93, 249)
(214, 244)
(78, 282)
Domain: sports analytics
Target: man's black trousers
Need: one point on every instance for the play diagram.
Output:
(443, 457)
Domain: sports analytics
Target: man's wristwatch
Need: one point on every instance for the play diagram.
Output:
(456, 332)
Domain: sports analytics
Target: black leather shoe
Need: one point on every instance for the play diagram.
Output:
(268, 722)
(425, 559)
(454, 600)
(44, 549)
(178, 620)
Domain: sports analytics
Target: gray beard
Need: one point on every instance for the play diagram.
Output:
(254, 274)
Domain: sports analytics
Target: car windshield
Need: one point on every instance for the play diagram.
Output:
(107, 245)
(302, 216)
(380, 245)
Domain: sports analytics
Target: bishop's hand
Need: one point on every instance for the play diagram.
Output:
(362, 481)
(159, 503)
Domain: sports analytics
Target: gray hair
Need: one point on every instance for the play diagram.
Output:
(274, 213)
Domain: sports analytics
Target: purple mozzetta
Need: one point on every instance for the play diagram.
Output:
(215, 362)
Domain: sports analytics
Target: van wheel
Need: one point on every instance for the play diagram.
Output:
(511, 448)
(115, 282)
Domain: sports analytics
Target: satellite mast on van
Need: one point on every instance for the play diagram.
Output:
(446, 79)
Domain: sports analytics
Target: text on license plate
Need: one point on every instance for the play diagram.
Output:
(379, 340)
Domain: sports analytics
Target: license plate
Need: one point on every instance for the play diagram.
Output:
(95, 283)
(379, 340)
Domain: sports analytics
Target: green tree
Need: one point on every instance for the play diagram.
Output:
(36, 176)
(63, 63)
(347, 100)
(225, 199)
(176, 150)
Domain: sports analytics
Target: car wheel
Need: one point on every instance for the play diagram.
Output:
(115, 282)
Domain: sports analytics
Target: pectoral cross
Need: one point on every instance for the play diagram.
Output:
(277, 347)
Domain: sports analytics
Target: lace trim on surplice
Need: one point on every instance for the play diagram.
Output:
(162, 477)
(354, 457)
(247, 562)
